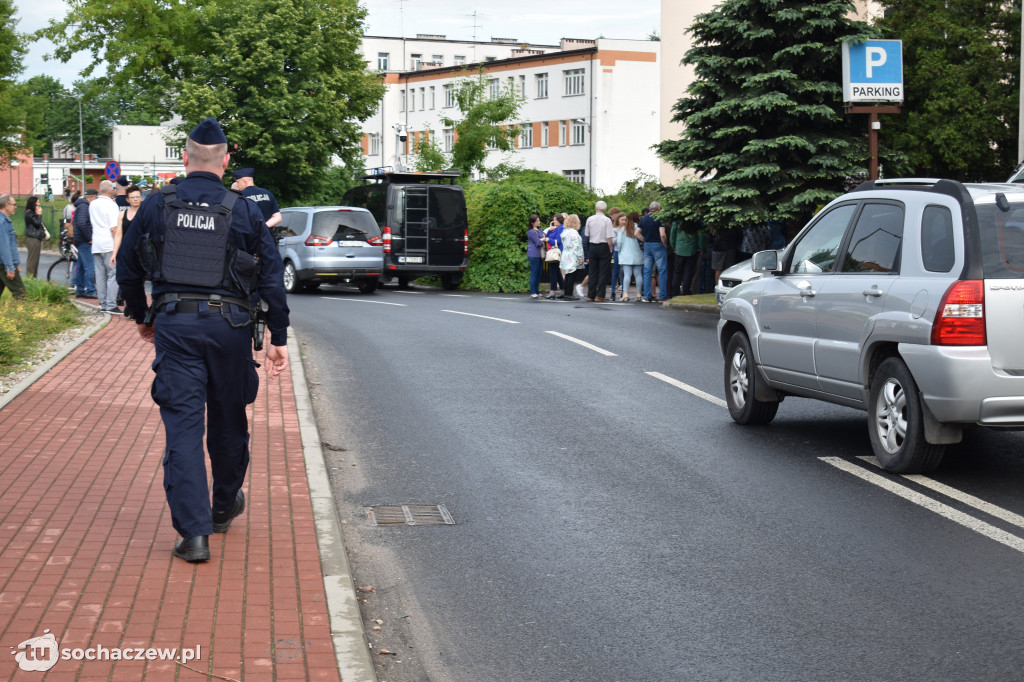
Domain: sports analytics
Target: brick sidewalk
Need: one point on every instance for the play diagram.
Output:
(86, 536)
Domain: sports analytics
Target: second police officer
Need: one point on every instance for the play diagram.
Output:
(200, 243)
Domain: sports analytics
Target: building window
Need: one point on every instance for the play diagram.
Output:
(416, 59)
(172, 152)
(412, 99)
(383, 58)
(526, 135)
(577, 176)
(439, 59)
(423, 99)
(449, 95)
(490, 59)
(433, 97)
(402, 106)
(545, 134)
(374, 146)
(522, 87)
(493, 89)
(460, 59)
(542, 86)
(449, 139)
(573, 82)
(562, 137)
(579, 132)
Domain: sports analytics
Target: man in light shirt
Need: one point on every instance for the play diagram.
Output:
(602, 236)
(104, 214)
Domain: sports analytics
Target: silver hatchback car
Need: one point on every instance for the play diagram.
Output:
(904, 298)
(330, 244)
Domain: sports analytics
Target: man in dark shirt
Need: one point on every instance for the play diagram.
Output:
(121, 192)
(655, 253)
(264, 198)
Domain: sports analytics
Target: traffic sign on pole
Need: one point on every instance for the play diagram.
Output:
(113, 171)
(873, 71)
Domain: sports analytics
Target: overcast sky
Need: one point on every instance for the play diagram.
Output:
(535, 21)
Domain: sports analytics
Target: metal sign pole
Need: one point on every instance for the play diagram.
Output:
(873, 126)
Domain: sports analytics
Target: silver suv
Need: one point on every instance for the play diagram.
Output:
(904, 298)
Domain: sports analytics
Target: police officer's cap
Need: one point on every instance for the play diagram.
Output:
(244, 173)
(208, 132)
(92, 192)
(124, 181)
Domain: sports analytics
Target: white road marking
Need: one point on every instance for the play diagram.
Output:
(457, 295)
(944, 510)
(500, 298)
(485, 317)
(591, 346)
(714, 400)
(959, 496)
(362, 300)
(403, 291)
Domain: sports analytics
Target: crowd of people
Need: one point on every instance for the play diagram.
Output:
(615, 249)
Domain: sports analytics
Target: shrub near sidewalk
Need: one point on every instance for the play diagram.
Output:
(29, 322)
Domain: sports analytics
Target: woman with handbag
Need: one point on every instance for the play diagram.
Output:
(553, 238)
(572, 255)
(35, 233)
(534, 251)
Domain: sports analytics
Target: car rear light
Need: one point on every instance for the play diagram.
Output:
(465, 242)
(375, 241)
(387, 239)
(314, 240)
(960, 320)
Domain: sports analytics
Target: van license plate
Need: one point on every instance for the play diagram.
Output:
(410, 259)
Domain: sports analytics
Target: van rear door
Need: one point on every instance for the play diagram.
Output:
(433, 225)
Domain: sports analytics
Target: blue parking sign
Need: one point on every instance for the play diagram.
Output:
(873, 71)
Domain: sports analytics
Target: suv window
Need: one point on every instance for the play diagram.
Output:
(293, 223)
(875, 244)
(937, 250)
(344, 225)
(1002, 241)
(818, 249)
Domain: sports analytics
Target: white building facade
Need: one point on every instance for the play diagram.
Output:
(590, 109)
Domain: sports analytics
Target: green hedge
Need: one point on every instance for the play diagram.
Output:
(499, 214)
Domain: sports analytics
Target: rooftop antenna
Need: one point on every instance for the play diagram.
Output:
(475, 15)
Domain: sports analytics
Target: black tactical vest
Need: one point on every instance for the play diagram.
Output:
(195, 250)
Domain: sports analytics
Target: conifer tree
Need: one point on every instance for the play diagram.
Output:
(765, 130)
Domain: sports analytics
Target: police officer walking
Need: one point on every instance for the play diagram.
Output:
(264, 198)
(207, 252)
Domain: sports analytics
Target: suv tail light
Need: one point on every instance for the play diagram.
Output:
(960, 320)
(314, 240)
(386, 237)
(375, 241)
(465, 242)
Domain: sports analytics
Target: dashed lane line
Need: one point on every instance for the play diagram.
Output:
(932, 505)
(403, 291)
(484, 317)
(502, 298)
(363, 300)
(456, 295)
(959, 496)
(591, 346)
(714, 400)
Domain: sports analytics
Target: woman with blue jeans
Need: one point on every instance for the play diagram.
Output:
(631, 255)
(534, 253)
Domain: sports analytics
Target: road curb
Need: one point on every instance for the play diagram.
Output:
(19, 388)
(692, 307)
(350, 645)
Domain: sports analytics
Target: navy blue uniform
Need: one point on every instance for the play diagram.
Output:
(204, 360)
(264, 198)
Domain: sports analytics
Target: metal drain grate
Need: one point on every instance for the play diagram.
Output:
(410, 515)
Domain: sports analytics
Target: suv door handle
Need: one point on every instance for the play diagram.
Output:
(872, 292)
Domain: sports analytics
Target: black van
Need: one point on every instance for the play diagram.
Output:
(422, 217)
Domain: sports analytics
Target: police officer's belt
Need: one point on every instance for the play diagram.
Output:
(191, 303)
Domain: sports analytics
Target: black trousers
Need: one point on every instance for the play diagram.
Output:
(600, 270)
(683, 273)
(555, 275)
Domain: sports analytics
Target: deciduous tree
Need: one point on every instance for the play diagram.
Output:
(12, 49)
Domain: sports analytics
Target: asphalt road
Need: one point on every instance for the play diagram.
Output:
(611, 525)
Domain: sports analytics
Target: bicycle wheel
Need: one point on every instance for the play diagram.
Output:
(60, 272)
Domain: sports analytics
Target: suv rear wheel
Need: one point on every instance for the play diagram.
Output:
(896, 422)
(367, 286)
(291, 278)
(740, 378)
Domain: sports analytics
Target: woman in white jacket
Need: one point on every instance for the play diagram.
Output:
(631, 254)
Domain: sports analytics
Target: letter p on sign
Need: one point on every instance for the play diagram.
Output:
(874, 56)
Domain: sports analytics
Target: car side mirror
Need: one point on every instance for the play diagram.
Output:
(765, 261)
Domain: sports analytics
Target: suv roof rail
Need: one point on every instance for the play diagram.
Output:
(382, 175)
